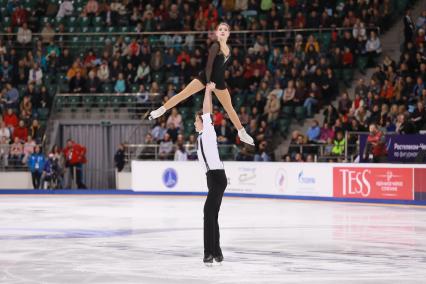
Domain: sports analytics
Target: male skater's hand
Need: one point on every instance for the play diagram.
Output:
(210, 86)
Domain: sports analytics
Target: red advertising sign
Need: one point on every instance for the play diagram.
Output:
(374, 183)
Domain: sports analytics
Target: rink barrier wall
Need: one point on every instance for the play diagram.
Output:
(109, 192)
(351, 181)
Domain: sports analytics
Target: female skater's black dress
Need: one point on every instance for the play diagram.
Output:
(215, 68)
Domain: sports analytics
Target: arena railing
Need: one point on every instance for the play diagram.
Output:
(10, 163)
(135, 105)
(152, 152)
(96, 37)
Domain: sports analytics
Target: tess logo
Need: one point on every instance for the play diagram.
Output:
(356, 182)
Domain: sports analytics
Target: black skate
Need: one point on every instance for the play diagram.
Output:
(208, 260)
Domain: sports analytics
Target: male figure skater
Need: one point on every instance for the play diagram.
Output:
(208, 155)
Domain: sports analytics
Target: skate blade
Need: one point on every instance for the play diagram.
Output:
(146, 115)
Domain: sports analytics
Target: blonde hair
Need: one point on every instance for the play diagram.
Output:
(225, 24)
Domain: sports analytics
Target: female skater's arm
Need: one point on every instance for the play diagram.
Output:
(214, 49)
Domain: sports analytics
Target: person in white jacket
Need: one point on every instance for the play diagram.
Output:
(36, 75)
(65, 9)
(24, 35)
(373, 48)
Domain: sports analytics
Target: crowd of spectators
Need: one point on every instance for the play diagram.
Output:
(269, 70)
(391, 101)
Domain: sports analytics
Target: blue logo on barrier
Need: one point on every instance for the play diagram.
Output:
(170, 178)
(305, 180)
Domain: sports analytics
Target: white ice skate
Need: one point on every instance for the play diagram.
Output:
(244, 137)
(157, 113)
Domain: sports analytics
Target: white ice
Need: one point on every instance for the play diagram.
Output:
(141, 239)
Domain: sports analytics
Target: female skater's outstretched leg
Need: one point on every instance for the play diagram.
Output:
(225, 99)
(193, 87)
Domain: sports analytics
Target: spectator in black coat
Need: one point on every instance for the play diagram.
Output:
(224, 133)
(119, 158)
(93, 84)
(77, 84)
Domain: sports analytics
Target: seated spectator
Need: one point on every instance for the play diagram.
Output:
(261, 154)
(143, 73)
(339, 144)
(289, 94)
(159, 131)
(20, 132)
(148, 152)
(35, 131)
(47, 34)
(328, 148)
(180, 154)
(16, 152)
(4, 131)
(6, 72)
(166, 147)
(272, 107)
(4, 151)
(172, 131)
(418, 117)
(10, 119)
(65, 61)
(330, 114)
(35, 75)
(120, 84)
(91, 9)
(244, 116)
(244, 154)
(93, 84)
(65, 9)
(28, 148)
(24, 35)
(176, 119)
(373, 48)
(344, 103)
(310, 102)
(11, 99)
(314, 132)
(26, 108)
(326, 133)
(224, 133)
(77, 83)
(75, 68)
(404, 126)
(103, 72)
(298, 158)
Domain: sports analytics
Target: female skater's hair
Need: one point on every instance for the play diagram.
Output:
(225, 24)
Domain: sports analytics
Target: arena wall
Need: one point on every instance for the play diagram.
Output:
(15, 180)
(340, 181)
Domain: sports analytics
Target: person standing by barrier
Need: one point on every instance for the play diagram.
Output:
(375, 150)
(75, 157)
(36, 165)
(208, 155)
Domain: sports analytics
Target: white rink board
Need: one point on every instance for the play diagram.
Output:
(248, 178)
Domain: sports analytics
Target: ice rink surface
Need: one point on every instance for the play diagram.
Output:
(141, 239)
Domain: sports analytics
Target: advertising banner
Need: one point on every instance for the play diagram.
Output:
(401, 148)
(373, 183)
(249, 178)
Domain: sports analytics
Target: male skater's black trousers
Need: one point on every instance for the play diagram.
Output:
(216, 182)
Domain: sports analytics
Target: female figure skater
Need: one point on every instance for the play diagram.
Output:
(214, 73)
(208, 155)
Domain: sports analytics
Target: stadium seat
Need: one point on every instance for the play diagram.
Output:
(287, 111)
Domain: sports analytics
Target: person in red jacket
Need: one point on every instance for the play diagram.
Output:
(375, 150)
(75, 157)
(21, 132)
(10, 119)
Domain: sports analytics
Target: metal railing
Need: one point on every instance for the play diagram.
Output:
(133, 105)
(95, 37)
(151, 152)
(9, 162)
